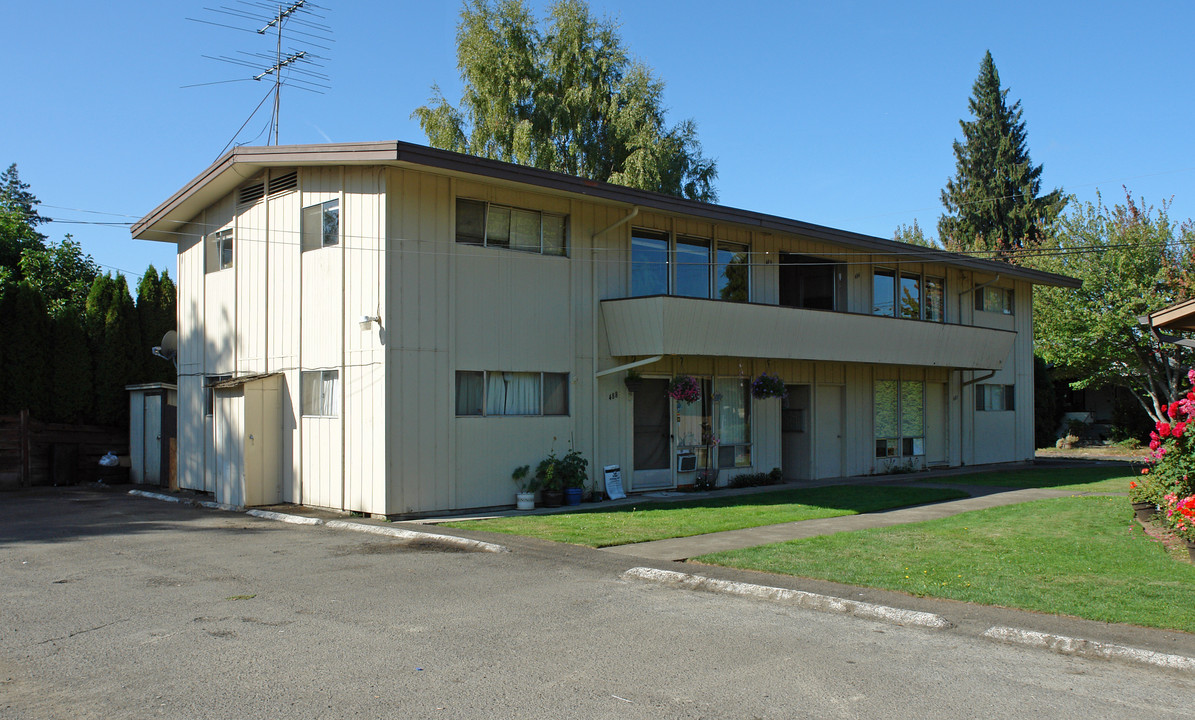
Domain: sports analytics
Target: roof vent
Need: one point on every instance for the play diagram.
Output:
(284, 183)
(251, 194)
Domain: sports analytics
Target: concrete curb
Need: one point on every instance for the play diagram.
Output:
(1080, 647)
(465, 543)
(419, 536)
(807, 600)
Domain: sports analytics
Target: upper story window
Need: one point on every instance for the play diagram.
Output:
(994, 299)
(490, 225)
(811, 282)
(320, 225)
(907, 295)
(219, 247)
(688, 266)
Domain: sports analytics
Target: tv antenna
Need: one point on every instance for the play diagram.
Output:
(302, 24)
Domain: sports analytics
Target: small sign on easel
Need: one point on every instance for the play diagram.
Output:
(614, 489)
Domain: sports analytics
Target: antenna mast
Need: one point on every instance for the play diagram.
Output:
(302, 25)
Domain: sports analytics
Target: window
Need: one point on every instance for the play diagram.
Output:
(490, 225)
(320, 225)
(731, 272)
(996, 300)
(935, 291)
(899, 418)
(907, 295)
(209, 400)
(883, 292)
(688, 267)
(219, 250)
(320, 393)
(717, 429)
(994, 397)
(811, 282)
(491, 392)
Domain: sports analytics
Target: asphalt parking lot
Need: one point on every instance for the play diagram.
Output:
(124, 607)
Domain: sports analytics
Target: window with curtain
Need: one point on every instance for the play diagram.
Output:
(490, 225)
(994, 397)
(495, 393)
(320, 393)
(732, 401)
(899, 416)
(995, 300)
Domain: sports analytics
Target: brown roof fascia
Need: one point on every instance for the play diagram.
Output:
(1180, 316)
(410, 154)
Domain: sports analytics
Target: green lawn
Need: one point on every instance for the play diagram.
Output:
(646, 521)
(1082, 479)
(1081, 556)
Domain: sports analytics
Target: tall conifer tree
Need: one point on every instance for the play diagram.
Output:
(993, 203)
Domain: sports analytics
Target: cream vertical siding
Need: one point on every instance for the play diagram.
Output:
(322, 327)
(283, 328)
(363, 222)
(252, 276)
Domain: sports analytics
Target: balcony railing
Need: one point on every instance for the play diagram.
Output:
(667, 325)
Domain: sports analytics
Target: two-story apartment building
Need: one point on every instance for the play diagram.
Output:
(388, 328)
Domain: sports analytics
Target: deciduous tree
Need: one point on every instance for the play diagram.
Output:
(568, 99)
(1132, 260)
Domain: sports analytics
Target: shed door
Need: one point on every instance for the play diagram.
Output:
(153, 440)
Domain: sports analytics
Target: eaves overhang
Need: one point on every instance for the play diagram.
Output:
(244, 162)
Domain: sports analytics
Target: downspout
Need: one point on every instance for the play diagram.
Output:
(593, 422)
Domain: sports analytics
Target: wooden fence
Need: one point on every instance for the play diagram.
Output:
(39, 453)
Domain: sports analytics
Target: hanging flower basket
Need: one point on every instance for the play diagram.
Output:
(768, 385)
(684, 388)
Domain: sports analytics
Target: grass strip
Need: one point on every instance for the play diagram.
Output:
(649, 520)
(1107, 478)
(1080, 556)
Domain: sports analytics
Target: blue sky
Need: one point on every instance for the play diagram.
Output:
(837, 113)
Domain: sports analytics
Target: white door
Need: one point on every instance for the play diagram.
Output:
(827, 431)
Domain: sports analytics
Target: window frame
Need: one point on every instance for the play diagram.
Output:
(1006, 306)
(673, 265)
(710, 419)
(484, 375)
(923, 282)
(215, 244)
(511, 210)
(305, 236)
(324, 390)
(900, 444)
(209, 381)
(985, 394)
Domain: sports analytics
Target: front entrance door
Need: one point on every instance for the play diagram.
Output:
(796, 446)
(652, 436)
(827, 427)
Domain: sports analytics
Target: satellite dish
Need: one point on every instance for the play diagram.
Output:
(168, 350)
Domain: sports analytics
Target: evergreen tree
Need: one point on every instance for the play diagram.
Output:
(913, 235)
(993, 202)
(71, 371)
(569, 99)
(25, 332)
(155, 313)
(15, 196)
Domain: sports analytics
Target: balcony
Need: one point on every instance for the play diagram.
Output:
(666, 325)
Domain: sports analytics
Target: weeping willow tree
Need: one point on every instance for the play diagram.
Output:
(567, 98)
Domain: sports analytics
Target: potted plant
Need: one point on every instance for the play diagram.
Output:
(768, 385)
(525, 497)
(573, 476)
(633, 381)
(684, 388)
(547, 474)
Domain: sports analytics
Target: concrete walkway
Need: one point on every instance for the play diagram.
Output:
(687, 547)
